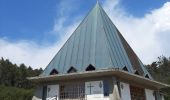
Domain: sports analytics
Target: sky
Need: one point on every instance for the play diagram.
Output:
(32, 31)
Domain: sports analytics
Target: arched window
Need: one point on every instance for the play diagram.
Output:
(136, 72)
(53, 72)
(146, 76)
(125, 68)
(71, 70)
(90, 68)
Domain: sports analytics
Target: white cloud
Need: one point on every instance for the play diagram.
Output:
(32, 54)
(148, 36)
(26, 52)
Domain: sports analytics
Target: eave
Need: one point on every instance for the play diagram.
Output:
(122, 75)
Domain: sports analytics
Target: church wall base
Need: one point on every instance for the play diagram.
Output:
(99, 88)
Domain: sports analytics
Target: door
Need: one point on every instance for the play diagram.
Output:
(137, 93)
(52, 92)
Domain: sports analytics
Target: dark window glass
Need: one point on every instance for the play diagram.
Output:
(53, 72)
(71, 70)
(106, 87)
(44, 94)
(90, 68)
(146, 76)
(136, 72)
(125, 68)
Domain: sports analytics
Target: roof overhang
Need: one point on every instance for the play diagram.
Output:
(123, 75)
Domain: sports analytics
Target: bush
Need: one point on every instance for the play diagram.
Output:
(13, 93)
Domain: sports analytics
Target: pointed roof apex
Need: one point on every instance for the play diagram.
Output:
(97, 5)
(97, 2)
(98, 42)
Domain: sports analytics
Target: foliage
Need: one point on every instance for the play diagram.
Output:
(13, 93)
(13, 81)
(160, 70)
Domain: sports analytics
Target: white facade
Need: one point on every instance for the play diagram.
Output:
(162, 97)
(52, 92)
(35, 98)
(149, 94)
(115, 95)
(125, 91)
(94, 90)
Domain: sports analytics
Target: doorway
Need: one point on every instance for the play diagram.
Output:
(137, 93)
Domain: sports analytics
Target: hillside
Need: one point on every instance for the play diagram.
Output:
(160, 70)
(13, 82)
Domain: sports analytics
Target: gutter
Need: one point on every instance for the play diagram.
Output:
(122, 75)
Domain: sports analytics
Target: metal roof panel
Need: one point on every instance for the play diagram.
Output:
(98, 42)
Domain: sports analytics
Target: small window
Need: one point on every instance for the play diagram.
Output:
(44, 92)
(106, 87)
(125, 68)
(53, 72)
(71, 70)
(136, 72)
(90, 68)
(72, 91)
(146, 76)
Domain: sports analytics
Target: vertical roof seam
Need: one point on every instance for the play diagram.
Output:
(84, 45)
(95, 33)
(90, 42)
(108, 43)
(78, 49)
(120, 44)
(65, 58)
(113, 44)
(117, 47)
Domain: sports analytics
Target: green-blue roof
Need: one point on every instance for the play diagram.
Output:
(98, 42)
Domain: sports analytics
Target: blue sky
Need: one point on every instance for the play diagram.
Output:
(33, 19)
(44, 25)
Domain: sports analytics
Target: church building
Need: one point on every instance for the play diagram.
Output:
(96, 63)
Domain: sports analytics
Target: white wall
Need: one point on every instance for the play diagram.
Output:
(52, 92)
(163, 97)
(97, 92)
(35, 98)
(125, 91)
(115, 95)
(149, 94)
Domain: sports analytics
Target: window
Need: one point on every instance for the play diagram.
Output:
(53, 72)
(146, 76)
(44, 93)
(137, 93)
(136, 72)
(125, 68)
(72, 91)
(71, 70)
(106, 87)
(90, 68)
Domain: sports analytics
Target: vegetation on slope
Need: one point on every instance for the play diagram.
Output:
(14, 93)
(160, 70)
(13, 82)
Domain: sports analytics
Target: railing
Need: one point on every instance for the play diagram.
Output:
(52, 98)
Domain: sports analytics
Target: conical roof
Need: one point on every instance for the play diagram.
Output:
(96, 42)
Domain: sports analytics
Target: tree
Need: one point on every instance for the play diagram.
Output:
(13, 82)
(160, 70)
